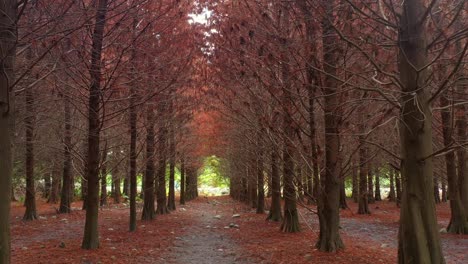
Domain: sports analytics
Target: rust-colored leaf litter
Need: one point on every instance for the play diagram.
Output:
(204, 231)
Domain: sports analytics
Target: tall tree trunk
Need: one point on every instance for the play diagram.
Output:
(458, 221)
(444, 190)
(343, 203)
(117, 184)
(363, 159)
(391, 195)
(55, 187)
(103, 200)
(149, 212)
(91, 235)
(133, 151)
(47, 185)
(30, 200)
(329, 200)
(398, 188)
(172, 158)
(436, 190)
(7, 53)
(252, 185)
(419, 240)
(161, 173)
(260, 182)
(66, 195)
(182, 182)
(370, 183)
(290, 221)
(377, 194)
(355, 192)
(275, 207)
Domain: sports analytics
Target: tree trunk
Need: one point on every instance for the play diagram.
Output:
(370, 184)
(252, 187)
(117, 184)
(55, 187)
(398, 188)
(149, 212)
(458, 221)
(7, 53)
(363, 159)
(436, 190)
(66, 196)
(30, 200)
(161, 173)
(419, 240)
(47, 186)
(377, 194)
(444, 190)
(355, 193)
(103, 200)
(260, 183)
(133, 151)
(275, 207)
(329, 200)
(172, 158)
(391, 195)
(91, 235)
(182, 182)
(290, 221)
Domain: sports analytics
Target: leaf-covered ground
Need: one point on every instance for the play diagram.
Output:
(204, 231)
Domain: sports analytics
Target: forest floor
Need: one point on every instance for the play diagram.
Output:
(204, 231)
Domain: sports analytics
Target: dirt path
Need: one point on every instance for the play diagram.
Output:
(455, 248)
(205, 240)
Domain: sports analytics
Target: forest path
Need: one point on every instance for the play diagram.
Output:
(206, 239)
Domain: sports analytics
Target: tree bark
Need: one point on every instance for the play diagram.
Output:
(161, 173)
(355, 193)
(290, 221)
(370, 183)
(391, 195)
(260, 182)
(419, 240)
(8, 40)
(149, 212)
(329, 200)
(172, 159)
(103, 200)
(67, 187)
(458, 222)
(275, 207)
(91, 235)
(133, 152)
(377, 194)
(30, 200)
(182, 182)
(363, 159)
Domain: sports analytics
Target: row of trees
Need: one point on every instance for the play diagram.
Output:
(315, 92)
(93, 89)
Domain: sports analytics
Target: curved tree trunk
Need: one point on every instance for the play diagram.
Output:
(419, 240)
